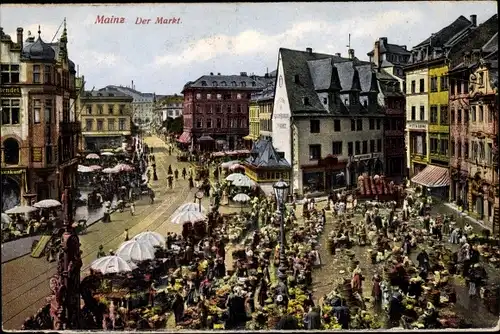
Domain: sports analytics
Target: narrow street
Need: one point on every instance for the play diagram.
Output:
(25, 281)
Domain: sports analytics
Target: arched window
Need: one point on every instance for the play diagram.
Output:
(223, 83)
(233, 84)
(214, 83)
(243, 84)
(11, 151)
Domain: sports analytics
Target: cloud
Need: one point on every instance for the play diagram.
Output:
(248, 41)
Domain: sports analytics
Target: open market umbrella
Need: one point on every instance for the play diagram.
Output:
(107, 153)
(133, 250)
(228, 164)
(47, 203)
(20, 209)
(151, 239)
(92, 156)
(241, 198)
(188, 216)
(110, 171)
(190, 207)
(234, 176)
(235, 167)
(243, 181)
(84, 169)
(95, 168)
(112, 265)
(123, 168)
(6, 219)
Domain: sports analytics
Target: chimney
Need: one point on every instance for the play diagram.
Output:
(338, 54)
(218, 73)
(473, 20)
(351, 53)
(243, 74)
(404, 47)
(211, 73)
(20, 37)
(383, 40)
(376, 54)
(309, 50)
(132, 84)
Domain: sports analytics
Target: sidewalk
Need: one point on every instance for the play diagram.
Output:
(454, 208)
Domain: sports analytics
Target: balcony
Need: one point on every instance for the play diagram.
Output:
(439, 128)
(485, 128)
(70, 127)
(418, 157)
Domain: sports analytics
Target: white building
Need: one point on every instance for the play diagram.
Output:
(327, 119)
(142, 106)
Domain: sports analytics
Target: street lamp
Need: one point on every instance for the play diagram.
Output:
(281, 192)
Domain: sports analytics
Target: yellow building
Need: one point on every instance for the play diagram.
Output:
(106, 119)
(427, 106)
(439, 120)
(253, 121)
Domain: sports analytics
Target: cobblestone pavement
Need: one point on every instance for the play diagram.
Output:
(25, 280)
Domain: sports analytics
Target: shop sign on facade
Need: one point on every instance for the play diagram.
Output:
(10, 91)
(11, 172)
(416, 126)
(36, 155)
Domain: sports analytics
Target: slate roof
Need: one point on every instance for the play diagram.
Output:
(31, 50)
(491, 45)
(231, 82)
(106, 93)
(265, 94)
(319, 73)
(477, 38)
(390, 48)
(445, 34)
(267, 156)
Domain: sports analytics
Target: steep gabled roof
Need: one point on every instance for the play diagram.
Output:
(444, 35)
(491, 45)
(267, 156)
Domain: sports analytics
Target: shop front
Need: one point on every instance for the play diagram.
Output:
(459, 187)
(328, 175)
(12, 182)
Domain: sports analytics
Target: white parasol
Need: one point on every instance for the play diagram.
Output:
(235, 167)
(20, 209)
(151, 239)
(123, 168)
(109, 171)
(95, 168)
(107, 153)
(84, 169)
(133, 250)
(228, 164)
(47, 203)
(6, 219)
(112, 265)
(92, 156)
(241, 198)
(190, 207)
(234, 176)
(188, 216)
(243, 181)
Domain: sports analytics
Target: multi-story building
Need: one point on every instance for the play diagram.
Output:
(217, 108)
(460, 69)
(261, 110)
(427, 111)
(169, 106)
(106, 119)
(483, 134)
(142, 105)
(39, 129)
(388, 60)
(327, 119)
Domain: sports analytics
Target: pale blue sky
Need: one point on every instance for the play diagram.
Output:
(227, 38)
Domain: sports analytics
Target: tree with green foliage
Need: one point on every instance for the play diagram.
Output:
(174, 125)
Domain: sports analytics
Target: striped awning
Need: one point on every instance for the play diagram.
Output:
(185, 138)
(433, 177)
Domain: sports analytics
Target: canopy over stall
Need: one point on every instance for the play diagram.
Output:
(432, 177)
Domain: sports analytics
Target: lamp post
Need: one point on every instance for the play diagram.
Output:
(281, 191)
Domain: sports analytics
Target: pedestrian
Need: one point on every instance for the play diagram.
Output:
(132, 208)
(100, 252)
(152, 195)
(176, 174)
(126, 235)
(184, 173)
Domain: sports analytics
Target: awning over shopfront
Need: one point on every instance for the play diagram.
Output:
(432, 177)
(249, 137)
(185, 138)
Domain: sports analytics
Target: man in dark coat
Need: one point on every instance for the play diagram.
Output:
(313, 319)
(378, 222)
(423, 260)
(288, 322)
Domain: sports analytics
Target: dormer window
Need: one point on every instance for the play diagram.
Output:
(223, 83)
(365, 103)
(305, 100)
(214, 84)
(233, 83)
(296, 78)
(346, 102)
(325, 100)
(203, 83)
(243, 84)
(254, 84)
